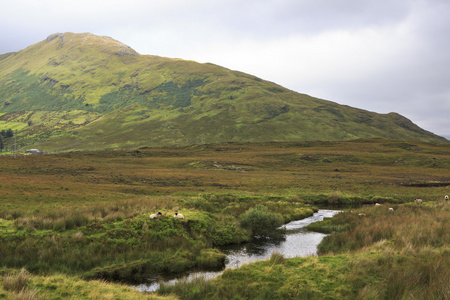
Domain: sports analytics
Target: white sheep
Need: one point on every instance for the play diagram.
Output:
(361, 214)
(178, 216)
(446, 197)
(418, 201)
(391, 209)
(377, 204)
(156, 216)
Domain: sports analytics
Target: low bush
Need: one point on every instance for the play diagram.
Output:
(261, 222)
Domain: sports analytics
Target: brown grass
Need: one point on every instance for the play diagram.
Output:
(337, 171)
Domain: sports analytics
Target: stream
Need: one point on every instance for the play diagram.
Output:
(298, 242)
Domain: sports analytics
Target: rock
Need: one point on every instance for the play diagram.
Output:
(55, 36)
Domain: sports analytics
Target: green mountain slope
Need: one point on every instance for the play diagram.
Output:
(86, 92)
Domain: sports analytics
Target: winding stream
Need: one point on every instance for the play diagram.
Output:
(297, 242)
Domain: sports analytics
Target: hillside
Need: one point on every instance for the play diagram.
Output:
(86, 92)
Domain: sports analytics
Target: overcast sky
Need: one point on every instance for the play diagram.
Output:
(378, 55)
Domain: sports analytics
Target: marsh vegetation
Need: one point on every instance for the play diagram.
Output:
(82, 218)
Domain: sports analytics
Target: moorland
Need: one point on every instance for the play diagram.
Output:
(76, 225)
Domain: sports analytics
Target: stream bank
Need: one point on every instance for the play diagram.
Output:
(298, 242)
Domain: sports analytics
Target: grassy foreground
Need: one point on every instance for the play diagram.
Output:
(400, 254)
(22, 285)
(81, 219)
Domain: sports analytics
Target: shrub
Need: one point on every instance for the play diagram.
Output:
(261, 222)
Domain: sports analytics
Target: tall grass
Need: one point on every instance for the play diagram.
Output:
(17, 285)
(23, 285)
(407, 227)
(425, 275)
(412, 242)
(68, 219)
(16, 282)
(92, 241)
(372, 264)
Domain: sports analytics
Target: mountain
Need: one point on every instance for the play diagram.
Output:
(87, 92)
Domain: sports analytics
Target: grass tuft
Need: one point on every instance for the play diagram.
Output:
(276, 258)
(17, 282)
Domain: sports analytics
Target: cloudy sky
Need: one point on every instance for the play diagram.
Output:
(378, 55)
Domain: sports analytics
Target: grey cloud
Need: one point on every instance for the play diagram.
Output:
(413, 82)
(275, 17)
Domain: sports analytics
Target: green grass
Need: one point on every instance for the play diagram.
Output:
(407, 226)
(400, 254)
(305, 278)
(23, 285)
(115, 243)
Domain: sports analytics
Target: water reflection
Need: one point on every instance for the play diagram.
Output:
(298, 242)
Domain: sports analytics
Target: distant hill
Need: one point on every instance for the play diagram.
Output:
(87, 92)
